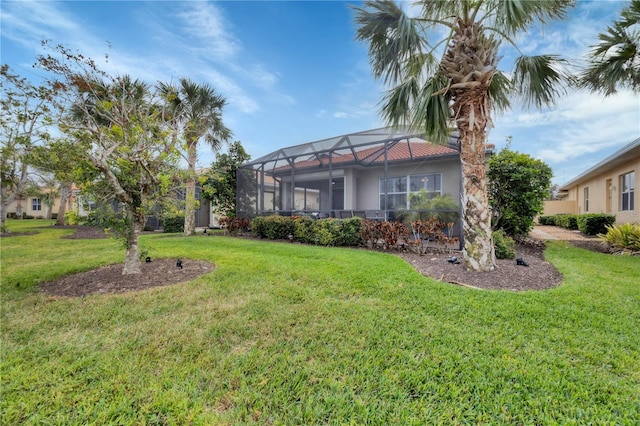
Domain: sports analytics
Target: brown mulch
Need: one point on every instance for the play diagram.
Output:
(109, 279)
(538, 275)
(83, 232)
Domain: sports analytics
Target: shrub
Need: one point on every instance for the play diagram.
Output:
(257, 227)
(72, 218)
(234, 225)
(547, 220)
(327, 232)
(305, 229)
(595, 223)
(273, 227)
(625, 237)
(517, 187)
(350, 232)
(569, 221)
(173, 223)
(504, 245)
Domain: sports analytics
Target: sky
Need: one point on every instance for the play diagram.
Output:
(292, 71)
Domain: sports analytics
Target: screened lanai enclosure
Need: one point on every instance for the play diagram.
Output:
(383, 174)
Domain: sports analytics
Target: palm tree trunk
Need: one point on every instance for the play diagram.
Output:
(478, 250)
(190, 193)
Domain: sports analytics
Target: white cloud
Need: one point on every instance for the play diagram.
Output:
(205, 22)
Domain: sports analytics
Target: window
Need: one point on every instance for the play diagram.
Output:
(586, 199)
(36, 205)
(627, 185)
(402, 191)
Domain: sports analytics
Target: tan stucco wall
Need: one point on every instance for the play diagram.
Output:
(27, 205)
(599, 192)
(560, 207)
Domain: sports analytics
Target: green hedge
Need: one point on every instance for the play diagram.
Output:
(590, 223)
(569, 221)
(173, 224)
(594, 223)
(325, 232)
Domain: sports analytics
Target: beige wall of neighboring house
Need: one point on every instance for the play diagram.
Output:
(612, 186)
(34, 206)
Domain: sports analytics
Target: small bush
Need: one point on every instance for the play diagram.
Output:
(305, 229)
(624, 237)
(350, 232)
(569, 221)
(173, 224)
(235, 225)
(504, 245)
(273, 227)
(257, 227)
(72, 218)
(594, 223)
(547, 220)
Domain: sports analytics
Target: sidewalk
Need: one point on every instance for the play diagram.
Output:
(543, 232)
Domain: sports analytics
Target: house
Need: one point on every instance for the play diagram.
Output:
(607, 187)
(373, 174)
(42, 206)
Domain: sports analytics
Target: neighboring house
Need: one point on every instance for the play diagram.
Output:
(39, 207)
(372, 174)
(608, 187)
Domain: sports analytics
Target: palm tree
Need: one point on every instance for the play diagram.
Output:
(615, 61)
(197, 111)
(459, 87)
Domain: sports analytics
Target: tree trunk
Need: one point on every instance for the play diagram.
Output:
(478, 250)
(65, 192)
(190, 195)
(3, 216)
(132, 263)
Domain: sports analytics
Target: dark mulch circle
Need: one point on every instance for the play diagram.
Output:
(83, 232)
(109, 279)
(539, 275)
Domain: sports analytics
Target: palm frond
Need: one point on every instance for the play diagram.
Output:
(513, 16)
(539, 80)
(393, 38)
(499, 91)
(432, 112)
(615, 61)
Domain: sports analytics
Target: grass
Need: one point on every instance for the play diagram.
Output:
(290, 334)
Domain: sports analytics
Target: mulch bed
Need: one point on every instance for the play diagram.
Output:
(109, 279)
(539, 275)
(509, 276)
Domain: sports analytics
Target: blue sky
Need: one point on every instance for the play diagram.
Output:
(292, 72)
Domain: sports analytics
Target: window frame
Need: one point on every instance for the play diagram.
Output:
(36, 205)
(627, 191)
(586, 199)
(406, 184)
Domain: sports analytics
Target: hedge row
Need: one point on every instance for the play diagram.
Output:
(325, 232)
(590, 223)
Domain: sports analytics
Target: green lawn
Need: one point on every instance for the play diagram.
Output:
(289, 334)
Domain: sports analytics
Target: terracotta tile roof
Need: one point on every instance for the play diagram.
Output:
(397, 152)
